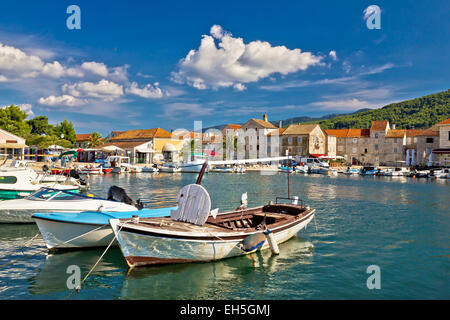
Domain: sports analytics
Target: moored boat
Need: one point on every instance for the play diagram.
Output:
(166, 240)
(53, 200)
(65, 230)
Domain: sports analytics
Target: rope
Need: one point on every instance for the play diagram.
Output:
(64, 242)
(92, 269)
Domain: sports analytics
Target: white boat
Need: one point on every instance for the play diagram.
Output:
(150, 169)
(118, 163)
(53, 200)
(442, 174)
(20, 183)
(332, 172)
(302, 169)
(169, 168)
(351, 171)
(66, 230)
(396, 172)
(193, 166)
(193, 233)
(90, 170)
(223, 169)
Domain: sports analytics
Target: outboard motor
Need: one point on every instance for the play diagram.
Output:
(76, 175)
(45, 168)
(118, 194)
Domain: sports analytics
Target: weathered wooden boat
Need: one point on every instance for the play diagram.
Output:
(194, 233)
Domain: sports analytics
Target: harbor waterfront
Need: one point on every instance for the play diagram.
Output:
(397, 223)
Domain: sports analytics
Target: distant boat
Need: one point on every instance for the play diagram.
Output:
(368, 171)
(16, 184)
(302, 169)
(150, 169)
(351, 171)
(286, 169)
(223, 169)
(169, 168)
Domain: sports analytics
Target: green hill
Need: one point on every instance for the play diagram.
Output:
(421, 112)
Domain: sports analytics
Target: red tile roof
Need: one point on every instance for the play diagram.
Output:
(379, 125)
(348, 133)
(143, 134)
(396, 133)
(446, 121)
(421, 132)
(83, 137)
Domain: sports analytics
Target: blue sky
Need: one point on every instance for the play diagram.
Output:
(145, 64)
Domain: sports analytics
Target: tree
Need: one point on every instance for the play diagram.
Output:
(66, 128)
(95, 139)
(39, 125)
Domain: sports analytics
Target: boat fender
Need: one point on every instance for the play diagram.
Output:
(272, 242)
(253, 242)
(135, 219)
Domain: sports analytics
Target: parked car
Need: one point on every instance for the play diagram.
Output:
(311, 162)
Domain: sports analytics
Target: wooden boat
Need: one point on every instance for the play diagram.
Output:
(163, 240)
(194, 233)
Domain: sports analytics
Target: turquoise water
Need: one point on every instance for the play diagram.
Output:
(400, 224)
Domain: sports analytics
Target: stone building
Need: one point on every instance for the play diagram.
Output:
(442, 153)
(303, 140)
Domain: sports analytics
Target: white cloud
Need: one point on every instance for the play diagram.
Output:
(25, 107)
(104, 89)
(239, 87)
(344, 104)
(96, 68)
(64, 100)
(148, 91)
(232, 61)
(333, 55)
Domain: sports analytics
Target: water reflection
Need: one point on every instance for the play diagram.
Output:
(213, 280)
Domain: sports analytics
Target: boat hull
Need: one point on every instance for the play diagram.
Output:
(57, 233)
(140, 249)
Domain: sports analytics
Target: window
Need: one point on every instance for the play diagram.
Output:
(290, 140)
(395, 150)
(355, 140)
(429, 140)
(395, 140)
(299, 149)
(376, 147)
(449, 135)
(299, 139)
(376, 135)
(365, 150)
(8, 179)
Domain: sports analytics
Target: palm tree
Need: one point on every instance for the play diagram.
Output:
(95, 139)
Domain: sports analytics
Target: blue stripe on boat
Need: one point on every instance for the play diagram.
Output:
(98, 217)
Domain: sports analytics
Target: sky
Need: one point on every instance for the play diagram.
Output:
(147, 64)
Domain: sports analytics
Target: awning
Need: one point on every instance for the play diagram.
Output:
(13, 145)
(319, 155)
(144, 150)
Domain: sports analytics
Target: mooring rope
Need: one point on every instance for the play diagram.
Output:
(92, 269)
(56, 247)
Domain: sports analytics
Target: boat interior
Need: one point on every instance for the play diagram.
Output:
(256, 219)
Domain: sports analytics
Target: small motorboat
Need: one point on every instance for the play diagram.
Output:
(90, 170)
(54, 200)
(396, 172)
(420, 173)
(368, 171)
(150, 169)
(15, 184)
(351, 171)
(286, 169)
(67, 230)
(223, 169)
(302, 169)
(195, 233)
(170, 169)
(442, 174)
